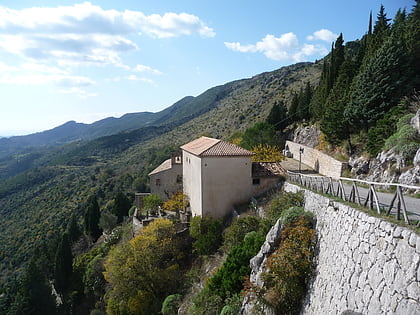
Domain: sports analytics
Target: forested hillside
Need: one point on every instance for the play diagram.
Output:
(49, 197)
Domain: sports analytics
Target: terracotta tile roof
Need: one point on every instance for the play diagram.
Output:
(166, 165)
(267, 169)
(205, 146)
(198, 146)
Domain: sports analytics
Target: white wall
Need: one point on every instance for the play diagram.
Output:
(226, 181)
(321, 162)
(168, 184)
(192, 182)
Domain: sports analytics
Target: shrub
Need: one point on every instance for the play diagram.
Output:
(290, 267)
(229, 278)
(292, 215)
(405, 140)
(283, 202)
(171, 304)
(235, 234)
(207, 234)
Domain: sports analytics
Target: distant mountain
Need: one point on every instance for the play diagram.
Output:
(186, 108)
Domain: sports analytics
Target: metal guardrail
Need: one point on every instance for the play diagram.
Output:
(335, 186)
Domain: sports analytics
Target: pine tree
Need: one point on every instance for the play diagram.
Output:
(379, 85)
(333, 124)
(63, 264)
(92, 217)
(413, 42)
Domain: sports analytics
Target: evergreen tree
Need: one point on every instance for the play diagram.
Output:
(333, 124)
(34, 294)
(278, 116)
(121, 206)
(413, 42)
(379, 85)
(73, 229)
(92, 217)
(63, 264)
(293, 115)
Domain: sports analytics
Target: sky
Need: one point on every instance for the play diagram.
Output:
(84, 61)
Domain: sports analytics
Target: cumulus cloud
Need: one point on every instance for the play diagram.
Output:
(66, 37)
(137, 78)
(323, 34)
(147, 69)
(284, 48)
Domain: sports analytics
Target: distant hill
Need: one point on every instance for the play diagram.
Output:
(42, 182)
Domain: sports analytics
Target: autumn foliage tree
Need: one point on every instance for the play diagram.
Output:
(142, 272)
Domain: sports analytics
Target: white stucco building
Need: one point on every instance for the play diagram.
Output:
(216, 176)
(166, 179)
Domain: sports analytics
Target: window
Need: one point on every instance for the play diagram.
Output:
(255, 181)
(157, 181)
(179, 179)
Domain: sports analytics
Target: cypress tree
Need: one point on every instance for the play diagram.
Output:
(278, 116)
(121, 206)
(63, 264)
(92, 217)
(34, 294)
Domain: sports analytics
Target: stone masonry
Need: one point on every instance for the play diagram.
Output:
(365, 265)
(321, 162)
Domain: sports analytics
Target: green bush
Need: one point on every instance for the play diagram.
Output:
(405, 141)
(235, 234)
(207, 234)
(230, 277)
(171, 304)
(292, 215)
(282, 202)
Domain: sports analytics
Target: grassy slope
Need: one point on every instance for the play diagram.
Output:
(38, 203)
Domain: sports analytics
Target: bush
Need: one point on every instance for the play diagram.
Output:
(229, 278)
(405, 140)
(235, 234)
(292, 215)
(171, 304)
(290, 267)
(207, 234)
(283, 202)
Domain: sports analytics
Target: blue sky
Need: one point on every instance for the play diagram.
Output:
(84, 61)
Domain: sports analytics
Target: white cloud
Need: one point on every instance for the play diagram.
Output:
(323, 34)
(77, 91)
(55, 40)
(284, 48)
(136, 78)
(147, 69)
(37, 79)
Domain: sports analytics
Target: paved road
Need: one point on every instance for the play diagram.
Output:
(385, 199)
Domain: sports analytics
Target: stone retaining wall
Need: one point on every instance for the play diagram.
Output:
(365, 265)
(321, 162)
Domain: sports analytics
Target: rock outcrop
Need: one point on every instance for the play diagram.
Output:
(258, 267)
(307, 135)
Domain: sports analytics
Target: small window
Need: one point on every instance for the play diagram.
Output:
(255, 181)
(157, 181)
(179, 179)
